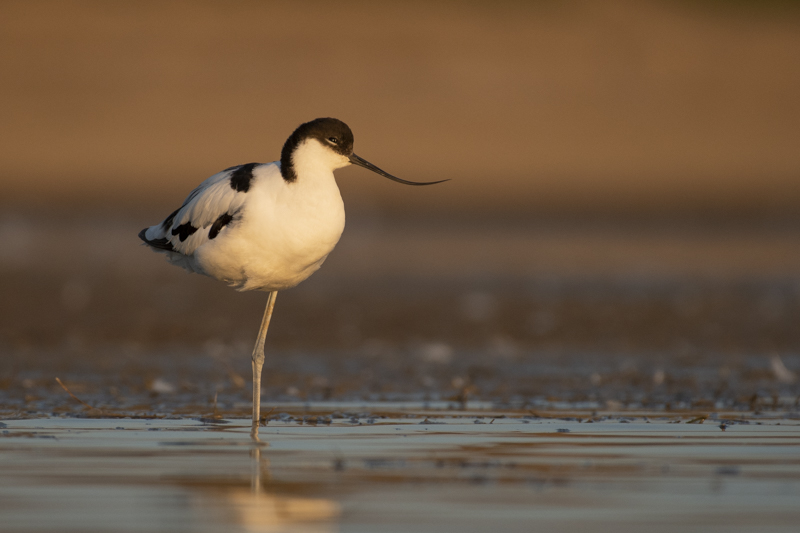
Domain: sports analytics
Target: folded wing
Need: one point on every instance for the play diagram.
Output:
(204, 215)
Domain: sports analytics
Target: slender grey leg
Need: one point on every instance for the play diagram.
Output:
(258, 361)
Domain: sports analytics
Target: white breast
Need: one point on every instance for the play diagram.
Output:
(282, 234)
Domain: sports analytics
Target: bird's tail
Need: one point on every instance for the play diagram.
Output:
(151, 237)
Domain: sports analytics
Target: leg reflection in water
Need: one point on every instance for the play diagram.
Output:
(264, 508)
(259, 467)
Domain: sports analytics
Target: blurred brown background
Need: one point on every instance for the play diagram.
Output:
(544, 106)
(624, 196)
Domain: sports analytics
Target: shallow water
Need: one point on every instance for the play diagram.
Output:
(400, 471)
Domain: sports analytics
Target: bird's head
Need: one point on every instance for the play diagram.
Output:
(330, 141)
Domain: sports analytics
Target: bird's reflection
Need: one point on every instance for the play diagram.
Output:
(259, 466)
(261, 509)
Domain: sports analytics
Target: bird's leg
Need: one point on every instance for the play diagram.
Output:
(258, 361)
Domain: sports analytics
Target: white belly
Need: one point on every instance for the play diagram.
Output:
(283, 236)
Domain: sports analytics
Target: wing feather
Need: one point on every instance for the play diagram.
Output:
(207, 209)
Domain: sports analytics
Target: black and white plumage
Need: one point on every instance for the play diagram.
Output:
(265, 226)
(230, 228)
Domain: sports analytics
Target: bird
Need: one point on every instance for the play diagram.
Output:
(266, 226)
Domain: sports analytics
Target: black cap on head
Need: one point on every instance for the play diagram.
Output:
(328, 131)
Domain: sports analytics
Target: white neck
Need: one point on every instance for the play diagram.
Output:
(313, 161)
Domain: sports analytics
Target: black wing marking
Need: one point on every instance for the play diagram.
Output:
(241, 177)
(218, 224)
(183, 231)
(162, 243)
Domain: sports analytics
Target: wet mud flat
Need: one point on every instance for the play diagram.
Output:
(403, 468)
(431, 377)
(662, 316)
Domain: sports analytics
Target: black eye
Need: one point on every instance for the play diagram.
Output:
(333, 140)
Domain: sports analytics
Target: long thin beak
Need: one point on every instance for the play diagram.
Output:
(366, 164)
